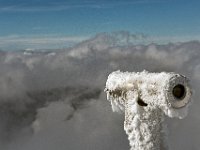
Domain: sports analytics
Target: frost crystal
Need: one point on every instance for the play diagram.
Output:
(145, 98)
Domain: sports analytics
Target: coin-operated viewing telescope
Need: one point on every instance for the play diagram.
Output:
(145, 98)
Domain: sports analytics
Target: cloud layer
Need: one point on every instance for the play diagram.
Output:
(55, 100)
(51, 5)
(16, 42)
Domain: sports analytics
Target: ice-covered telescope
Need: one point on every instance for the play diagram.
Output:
(145, 98)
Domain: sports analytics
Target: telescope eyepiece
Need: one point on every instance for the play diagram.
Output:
(179, 92)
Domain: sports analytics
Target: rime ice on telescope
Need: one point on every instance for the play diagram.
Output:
(145, 98)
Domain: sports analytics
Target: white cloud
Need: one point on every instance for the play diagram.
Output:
(47, 7)
(38, 42)
(59, 6)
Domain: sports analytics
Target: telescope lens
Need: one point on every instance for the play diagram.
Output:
(179, 91)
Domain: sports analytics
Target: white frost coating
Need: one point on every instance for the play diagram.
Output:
(145, 98)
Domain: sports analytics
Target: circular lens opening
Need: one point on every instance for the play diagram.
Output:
(179, 91)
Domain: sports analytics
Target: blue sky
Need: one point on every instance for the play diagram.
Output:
(31, 23)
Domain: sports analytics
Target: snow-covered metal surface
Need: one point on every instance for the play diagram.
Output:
(145, 98)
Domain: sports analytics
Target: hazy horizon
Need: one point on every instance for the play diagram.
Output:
(57, 24)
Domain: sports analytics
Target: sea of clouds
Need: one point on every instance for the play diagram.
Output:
(55, 100)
